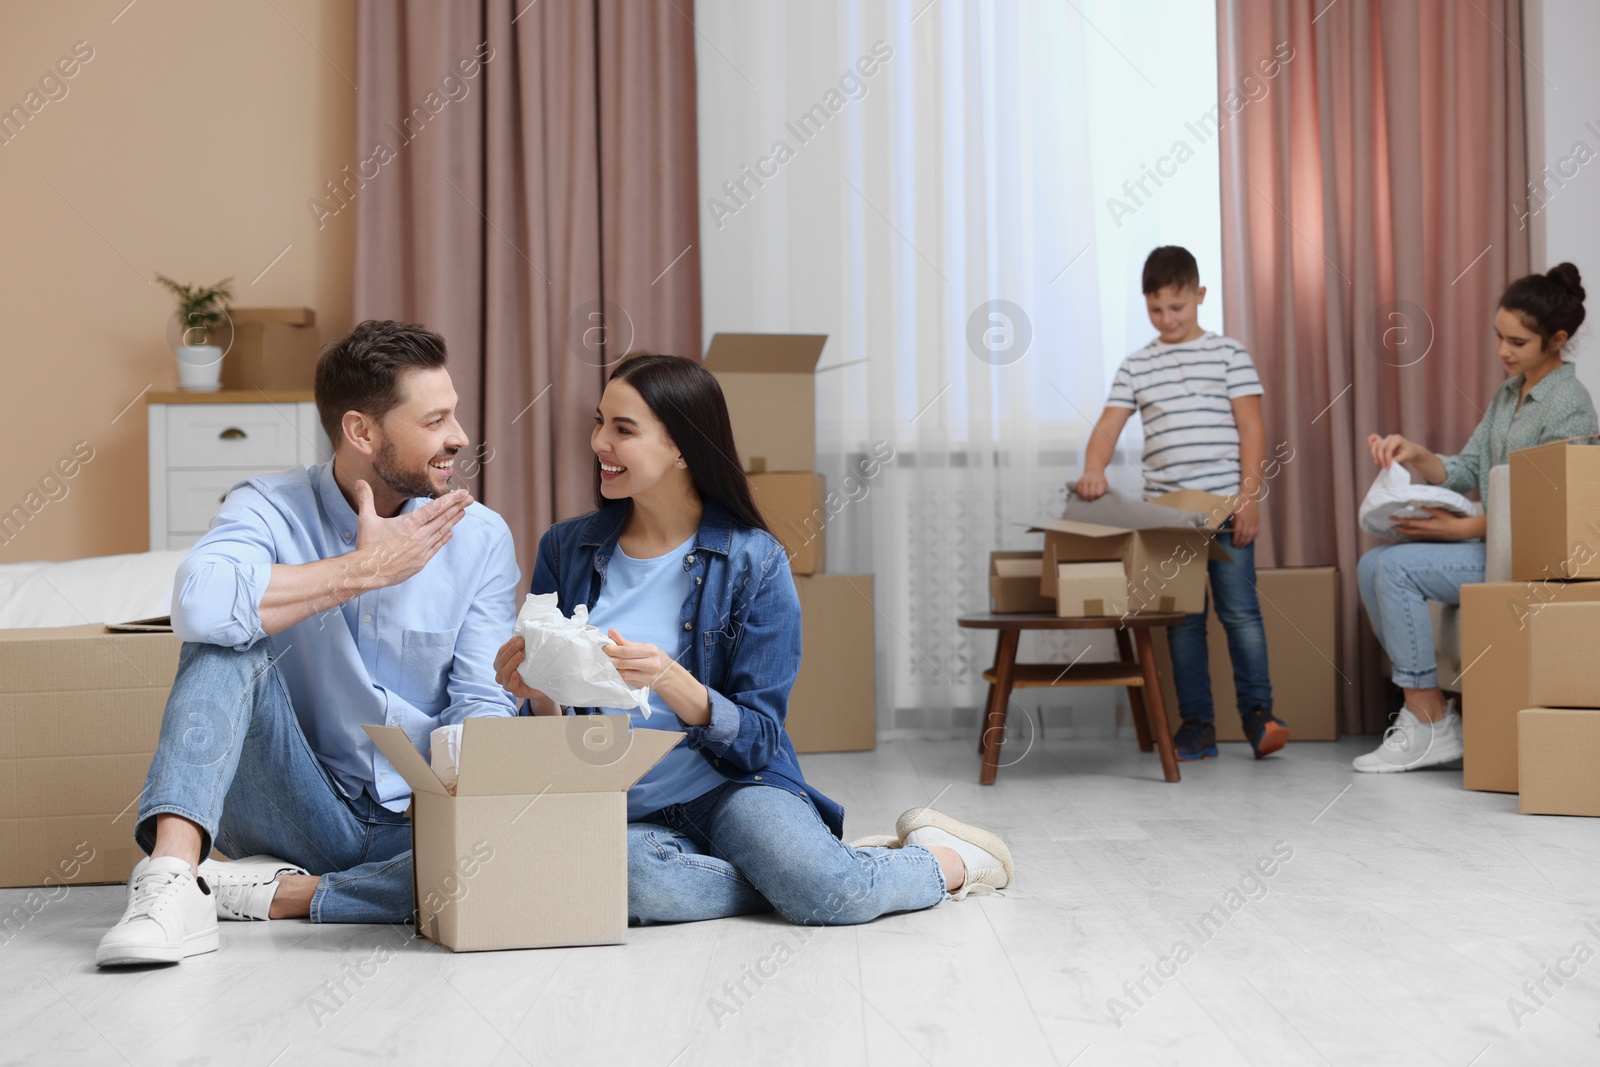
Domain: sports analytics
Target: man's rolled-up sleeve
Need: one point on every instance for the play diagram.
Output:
(216, 595)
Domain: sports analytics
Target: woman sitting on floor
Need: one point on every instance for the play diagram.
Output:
(679, 567)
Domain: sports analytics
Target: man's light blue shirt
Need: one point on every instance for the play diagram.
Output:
(416, 655)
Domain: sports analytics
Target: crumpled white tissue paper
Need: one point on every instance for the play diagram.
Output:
(563, 658)
(1395, 495)
(444, 755)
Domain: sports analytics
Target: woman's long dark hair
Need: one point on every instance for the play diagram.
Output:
(689, 402)
(1547, 303)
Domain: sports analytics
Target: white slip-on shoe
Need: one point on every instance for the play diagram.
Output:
(986, 857)
(244, 887)
(170, 916)
(1411, 744)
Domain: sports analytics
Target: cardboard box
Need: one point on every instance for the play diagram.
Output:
(1496, 681)
(1087, 590)
(1165, 566)
(1563, 669)
(795, 506)
(1300, 612)
(1558, 750)
(1014, 582)
(532, 850)
(772, 397)
(273, 348)
(831, 707)
(1555, 512)
(80, 712)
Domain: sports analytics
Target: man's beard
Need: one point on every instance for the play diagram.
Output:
(407, 483)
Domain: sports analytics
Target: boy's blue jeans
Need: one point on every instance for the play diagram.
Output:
(1233, 593)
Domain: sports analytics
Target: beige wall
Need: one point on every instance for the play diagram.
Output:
(188, 145)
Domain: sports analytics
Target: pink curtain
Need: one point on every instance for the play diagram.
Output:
(1372, 210)
(525, 183)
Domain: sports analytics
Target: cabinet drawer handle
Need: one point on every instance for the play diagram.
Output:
(232, 433)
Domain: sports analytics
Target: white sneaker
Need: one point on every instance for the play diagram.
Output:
(986, 857)
(244, 888)
(170, 916)
(1411, 744)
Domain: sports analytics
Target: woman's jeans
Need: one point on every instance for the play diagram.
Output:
(1233, 592)
(233, 760)
(1396, 583)
(740, 849)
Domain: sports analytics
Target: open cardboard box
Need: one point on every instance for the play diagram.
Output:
(532, 850)
(1014, 582)
(1165, 566)
(767, 380)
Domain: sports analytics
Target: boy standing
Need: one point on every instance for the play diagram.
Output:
(1200, 401)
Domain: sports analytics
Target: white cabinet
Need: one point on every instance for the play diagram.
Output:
(202, 445)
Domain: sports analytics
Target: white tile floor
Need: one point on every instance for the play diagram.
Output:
(1399, 931)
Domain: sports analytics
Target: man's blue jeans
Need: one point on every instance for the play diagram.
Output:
(741, 849)
(1233, 593)
(233, 760)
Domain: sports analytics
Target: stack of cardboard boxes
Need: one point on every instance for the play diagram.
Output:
(768, 382)
(1530, 686)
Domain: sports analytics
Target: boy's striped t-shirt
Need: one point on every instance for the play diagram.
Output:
(1184, 394)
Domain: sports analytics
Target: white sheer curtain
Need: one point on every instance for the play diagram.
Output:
(885, 173)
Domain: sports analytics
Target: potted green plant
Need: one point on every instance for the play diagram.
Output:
(199, 321)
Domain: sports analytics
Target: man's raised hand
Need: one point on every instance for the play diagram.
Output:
(392, 550)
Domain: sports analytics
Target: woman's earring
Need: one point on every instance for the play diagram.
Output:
(680, 463)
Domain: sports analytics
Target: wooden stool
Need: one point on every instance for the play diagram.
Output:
(1136, 672)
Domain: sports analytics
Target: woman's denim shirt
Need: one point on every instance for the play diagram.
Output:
(743, 616)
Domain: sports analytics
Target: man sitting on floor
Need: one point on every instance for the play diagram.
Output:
(323, 598)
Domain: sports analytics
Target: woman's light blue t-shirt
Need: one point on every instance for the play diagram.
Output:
(642, 599)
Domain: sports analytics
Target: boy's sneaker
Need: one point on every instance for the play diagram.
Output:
(244, 888)
(1195, 740)
(170, 916)
(1265, 733)
(1411, 744)
(987, 860)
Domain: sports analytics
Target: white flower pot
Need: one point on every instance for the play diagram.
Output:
(200, 368)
